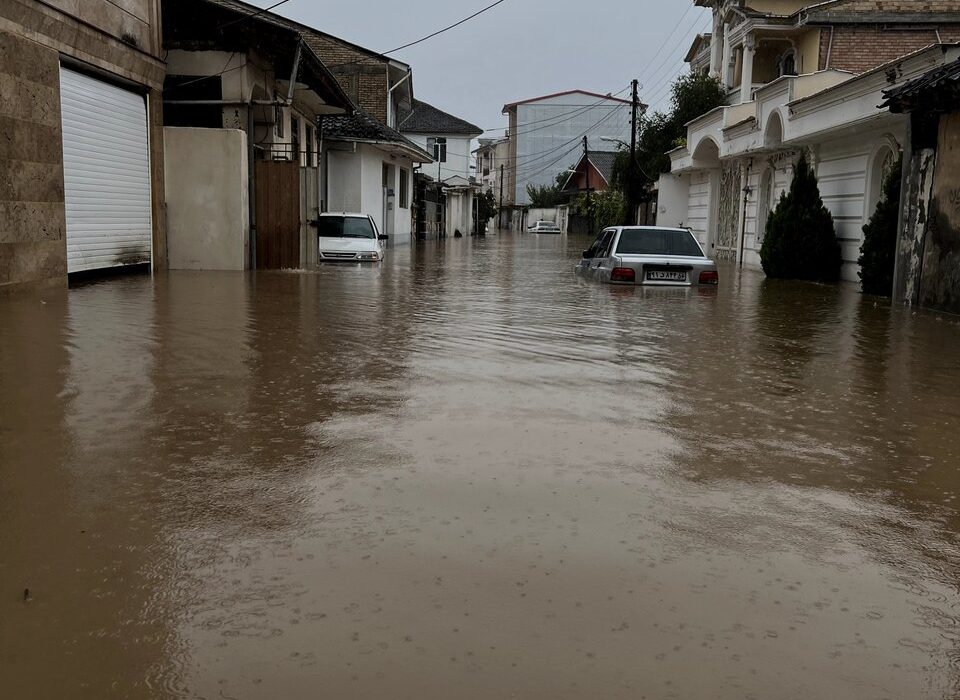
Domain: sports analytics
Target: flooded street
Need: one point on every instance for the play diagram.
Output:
(469, 474)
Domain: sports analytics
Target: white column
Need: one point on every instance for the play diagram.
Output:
(727, 54)
(716, 46)
(746, 82)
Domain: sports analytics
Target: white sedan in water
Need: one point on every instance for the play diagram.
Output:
(648, 255)
(347, 237)
(544, 227)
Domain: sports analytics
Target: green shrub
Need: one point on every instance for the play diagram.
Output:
(879, 251)
(801, 242)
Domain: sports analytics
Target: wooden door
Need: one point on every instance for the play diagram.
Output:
(278, 215)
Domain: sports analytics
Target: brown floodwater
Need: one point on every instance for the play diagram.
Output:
(469, 474)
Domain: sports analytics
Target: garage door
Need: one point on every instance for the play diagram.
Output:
(106, 174)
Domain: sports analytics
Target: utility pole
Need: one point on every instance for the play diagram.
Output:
(632, 169)
(586, 160)
(500, 210)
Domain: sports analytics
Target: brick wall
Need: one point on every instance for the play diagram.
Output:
(363, 77)
(33, 246)
(859, 48)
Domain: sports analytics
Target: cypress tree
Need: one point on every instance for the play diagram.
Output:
(801, 242)
(879, 251)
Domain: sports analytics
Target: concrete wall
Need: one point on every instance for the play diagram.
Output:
(673, 199)
(33, 37)
(207, 196)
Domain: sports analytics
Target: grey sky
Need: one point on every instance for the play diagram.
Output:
(520, 49)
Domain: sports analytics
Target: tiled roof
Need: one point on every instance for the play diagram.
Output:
(310, 35)
(603, 161)
(883, 11)
(361, 126)
(936, 90)
(427, 119)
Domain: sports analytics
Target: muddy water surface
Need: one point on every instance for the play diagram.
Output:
(466, 474)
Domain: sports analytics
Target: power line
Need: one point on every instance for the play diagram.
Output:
(552, 163)
(581, 109)
(423, 39)
(252, 15)
(446, 29)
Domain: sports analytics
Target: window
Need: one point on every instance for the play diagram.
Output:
(788, 63)
(652, 241)
(765, 204)
(310, 141)
(438, 146)
(295, 138)
(193, 87)
(279, 117)
(404, 189)
(345, 227)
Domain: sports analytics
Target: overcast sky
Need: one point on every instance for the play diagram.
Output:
(520, 49)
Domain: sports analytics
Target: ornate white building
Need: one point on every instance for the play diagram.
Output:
(801, 76)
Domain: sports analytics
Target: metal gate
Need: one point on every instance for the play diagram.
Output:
(728, 212)
(278, 215)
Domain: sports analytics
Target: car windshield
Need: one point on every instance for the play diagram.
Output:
(346, 227)
(652, 241)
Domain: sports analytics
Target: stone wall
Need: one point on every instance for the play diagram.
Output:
(121, 39)
(32, 219)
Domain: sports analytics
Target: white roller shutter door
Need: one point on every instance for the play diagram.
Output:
(106, 173)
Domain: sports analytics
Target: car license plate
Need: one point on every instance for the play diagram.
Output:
(665, 276)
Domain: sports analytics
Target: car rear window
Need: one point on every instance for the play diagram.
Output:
(345, 227)
(649, 241)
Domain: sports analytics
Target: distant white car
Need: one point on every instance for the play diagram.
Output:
(345, 237)
(543, 227)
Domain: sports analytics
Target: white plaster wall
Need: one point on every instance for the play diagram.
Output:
(371, 184)
(459, 156)
(698, 207)
(207, 198)
(673, 201)
(343, 181)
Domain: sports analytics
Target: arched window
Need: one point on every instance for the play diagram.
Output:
(883, 161)
(788, 63)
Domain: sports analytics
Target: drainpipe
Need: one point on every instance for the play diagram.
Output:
(829, 50)
(252, 186)
(747, 191)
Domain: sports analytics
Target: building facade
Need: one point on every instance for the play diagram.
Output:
(243, 199)
(546, 136)
(801, 76)
(449, 140)
(82, 183)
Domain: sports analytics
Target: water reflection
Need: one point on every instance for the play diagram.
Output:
(468, 473)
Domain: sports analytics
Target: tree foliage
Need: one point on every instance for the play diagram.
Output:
(486, 209)
(548, 195)
(607, 208)
(801, 242)
(693, 95)
(879, 251)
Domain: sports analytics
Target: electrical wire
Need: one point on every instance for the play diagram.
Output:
(559, 117)
(422, 39)
(252, 15)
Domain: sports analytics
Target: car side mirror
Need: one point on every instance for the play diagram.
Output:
(383, 237)
(587, 254)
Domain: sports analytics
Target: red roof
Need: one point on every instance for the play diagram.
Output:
(508, 107)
